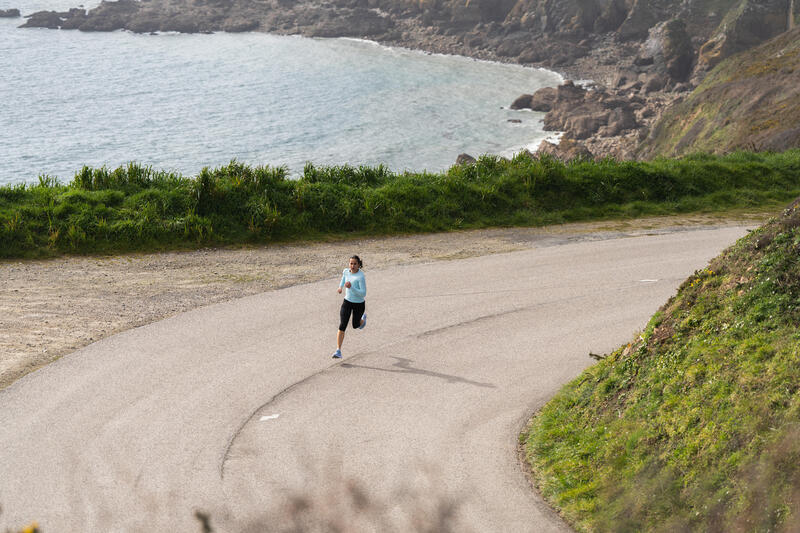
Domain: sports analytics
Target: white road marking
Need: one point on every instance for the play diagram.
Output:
(648, 280)
(270, 417)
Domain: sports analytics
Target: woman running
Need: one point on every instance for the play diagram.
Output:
(355, 290)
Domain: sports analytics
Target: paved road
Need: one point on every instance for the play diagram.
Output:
(234, 407)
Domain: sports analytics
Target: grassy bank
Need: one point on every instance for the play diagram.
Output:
(694, 425)
(137, 208)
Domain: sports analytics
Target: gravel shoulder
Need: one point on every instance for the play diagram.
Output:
(51, 308)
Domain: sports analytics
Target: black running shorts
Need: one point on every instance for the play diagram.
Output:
(344, 314)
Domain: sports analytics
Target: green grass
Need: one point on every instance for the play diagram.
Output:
(136, 208)
(694, 425)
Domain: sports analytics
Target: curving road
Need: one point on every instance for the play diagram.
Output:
(232, 408)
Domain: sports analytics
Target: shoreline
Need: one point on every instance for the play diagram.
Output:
(57, 306)
(408, 31)
(628, 114)
(516, 141)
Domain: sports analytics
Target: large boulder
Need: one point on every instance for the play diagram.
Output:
(44, 19)
(619, 120)
(543, 99)
(669, 49)
(522, 102)
(9, 13)
(584, 126)
(568, 103)
(68, 20)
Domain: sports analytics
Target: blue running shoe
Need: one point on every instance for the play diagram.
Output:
(363, 321)
(337, 354)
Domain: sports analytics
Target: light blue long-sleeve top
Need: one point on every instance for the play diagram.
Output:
(358, 286)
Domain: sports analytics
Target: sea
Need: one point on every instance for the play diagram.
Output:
(181, 102)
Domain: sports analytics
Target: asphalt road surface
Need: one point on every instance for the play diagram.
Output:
(236, 409)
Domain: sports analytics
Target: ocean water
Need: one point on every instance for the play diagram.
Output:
(183, 102)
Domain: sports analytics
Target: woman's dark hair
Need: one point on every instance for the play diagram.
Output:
(360, 264)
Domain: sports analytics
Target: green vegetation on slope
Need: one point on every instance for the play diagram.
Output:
(749, 101)
(137, 208)
(695, 425)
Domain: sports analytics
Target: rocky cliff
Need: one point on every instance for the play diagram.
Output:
(750, 101)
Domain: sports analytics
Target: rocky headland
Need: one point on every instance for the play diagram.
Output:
(644, 57)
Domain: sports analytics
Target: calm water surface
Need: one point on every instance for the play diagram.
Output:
(182, 102)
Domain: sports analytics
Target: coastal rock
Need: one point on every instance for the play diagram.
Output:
(240, 24)
(146, 23)
(641, 17)
(530, 55)
(522, 102)
(631, 87)
(181, 23)
(652, 83)
(567, 149)
(584, 126)
(612, 16)
(68, 20)
(511, 47)
(44, 19)
(669, 49)
(582, 113)
(465, 159)
(620, 148)
(108, 16)
(474, 40)
(9, 13)
(569, 92)
(601, 121)
(622, 77)
(619, 120)
(543, 99)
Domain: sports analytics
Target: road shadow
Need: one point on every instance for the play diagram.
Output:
(404, 366)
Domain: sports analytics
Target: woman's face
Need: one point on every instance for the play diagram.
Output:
(353, 266)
